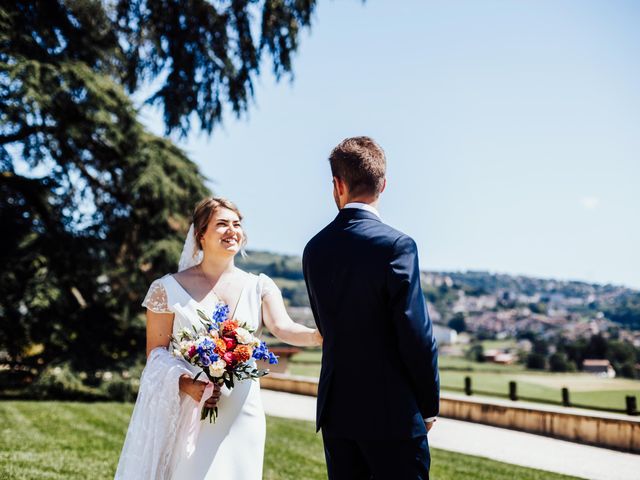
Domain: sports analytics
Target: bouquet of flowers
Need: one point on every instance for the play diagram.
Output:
(223, 347)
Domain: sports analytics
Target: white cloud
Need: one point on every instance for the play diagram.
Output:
(590, 202)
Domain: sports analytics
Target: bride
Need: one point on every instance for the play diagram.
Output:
(165, 438)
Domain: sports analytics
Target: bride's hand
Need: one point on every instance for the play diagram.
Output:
(317, 337)
(212, 401)
(194, 389)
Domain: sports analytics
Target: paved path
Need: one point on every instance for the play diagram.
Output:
(500, 444)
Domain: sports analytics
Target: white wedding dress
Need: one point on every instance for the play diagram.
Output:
(230, 449)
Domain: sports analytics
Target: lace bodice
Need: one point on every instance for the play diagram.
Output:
(157, 299)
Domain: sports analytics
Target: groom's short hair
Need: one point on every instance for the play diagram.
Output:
(360, 162)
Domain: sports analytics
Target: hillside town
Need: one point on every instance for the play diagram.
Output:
(547, 308)
(547, 323)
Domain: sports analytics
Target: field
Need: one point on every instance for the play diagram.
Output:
(584, 389)
(70, 440)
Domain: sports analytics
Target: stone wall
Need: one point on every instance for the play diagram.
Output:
(620, 432)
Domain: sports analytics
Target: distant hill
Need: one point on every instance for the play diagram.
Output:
(285, 270)
(451, 292)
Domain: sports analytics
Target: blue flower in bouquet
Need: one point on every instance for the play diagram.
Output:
(220, 313)
(208, 358)
(262, 353)
(205, 344)
(205, 360)
(206, 352)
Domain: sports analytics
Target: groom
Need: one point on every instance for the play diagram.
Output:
(379, 387)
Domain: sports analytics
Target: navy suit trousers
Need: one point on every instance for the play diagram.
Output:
(393, 459)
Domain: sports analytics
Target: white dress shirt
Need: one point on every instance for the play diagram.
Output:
(369, 208)
(363, 206)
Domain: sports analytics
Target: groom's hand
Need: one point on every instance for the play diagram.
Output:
(429, 425)
(212, 401)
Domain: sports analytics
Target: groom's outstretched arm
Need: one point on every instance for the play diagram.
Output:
(417, 344)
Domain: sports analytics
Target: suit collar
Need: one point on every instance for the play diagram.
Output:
(357, 214)
(363, 206)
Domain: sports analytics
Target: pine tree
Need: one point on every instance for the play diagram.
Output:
(93, 206)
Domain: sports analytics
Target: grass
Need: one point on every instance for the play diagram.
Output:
(305, 369)
(460, 363)
(498, 344)
(308, 355)
(584, 389)
(70, 440)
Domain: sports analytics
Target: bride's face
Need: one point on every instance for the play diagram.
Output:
(224, 233)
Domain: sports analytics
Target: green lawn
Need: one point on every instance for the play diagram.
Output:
(498, 344)
(308, 355)
(459, 363)
(584, 389)
(308, 360)
(70, 440)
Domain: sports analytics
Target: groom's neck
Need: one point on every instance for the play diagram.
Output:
(373, 201)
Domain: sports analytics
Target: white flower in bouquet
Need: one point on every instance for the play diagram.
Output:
(217, 368)
(244, 336)
(185, 347)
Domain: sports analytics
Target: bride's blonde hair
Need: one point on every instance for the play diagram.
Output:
(205, 210)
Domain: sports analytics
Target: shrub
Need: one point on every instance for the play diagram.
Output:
(60, 382)
(558, 362)
(121, 387)
(536, 361)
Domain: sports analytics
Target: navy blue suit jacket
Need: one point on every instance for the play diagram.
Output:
(379, 375)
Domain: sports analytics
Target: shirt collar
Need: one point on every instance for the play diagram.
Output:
(363, 206)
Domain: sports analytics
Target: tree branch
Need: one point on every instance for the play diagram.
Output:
(24, 133)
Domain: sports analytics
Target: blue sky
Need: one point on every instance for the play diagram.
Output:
(512, 133)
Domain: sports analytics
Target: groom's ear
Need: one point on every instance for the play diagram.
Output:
(384, 185)
(341, 186)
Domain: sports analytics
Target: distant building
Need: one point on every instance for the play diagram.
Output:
(444, 335)
(434, 314)
(499, 356)
(598, 367)
(504, 358)
(524, 345)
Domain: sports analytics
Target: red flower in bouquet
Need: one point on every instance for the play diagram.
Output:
(230, 342)
(228, 327)
(243, 352)
(230, 358)
(221, 346)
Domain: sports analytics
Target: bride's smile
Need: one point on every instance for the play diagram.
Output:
(225, 231)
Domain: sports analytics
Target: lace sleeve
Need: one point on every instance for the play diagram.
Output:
(156, 298)
(268, 286)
